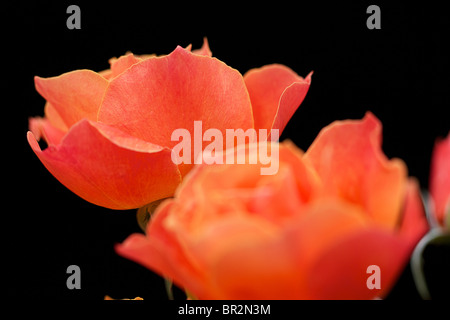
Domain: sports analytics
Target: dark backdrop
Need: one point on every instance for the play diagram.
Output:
(400, 73)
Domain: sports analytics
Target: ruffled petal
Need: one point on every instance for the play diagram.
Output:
(348, 157)
(74, 95)
(276, 92)
(156, 96)
(109, 168)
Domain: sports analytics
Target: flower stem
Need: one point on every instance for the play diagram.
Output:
(417, 262)
(169, 288)
(144, 213)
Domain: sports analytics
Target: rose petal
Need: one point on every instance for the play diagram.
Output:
(347, 156)
(440, 178)
(204, 50)
(227, 187)
(342, 271)
(42, 127)
(55, 119)
(246, 262)
(161, 252)
(156, 96)
(108, 168)
(122, 64)
(414, 223)
(74, 95)
(107, 74)
(271, 265)
(276, 92)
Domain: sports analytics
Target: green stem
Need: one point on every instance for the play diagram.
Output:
(169, 288)
(144, 213)
(417, 262)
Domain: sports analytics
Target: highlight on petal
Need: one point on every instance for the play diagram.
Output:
(156, 96)
(74, 95)
(276, 92)
(109, 168)
(440, 178)
(347, 156)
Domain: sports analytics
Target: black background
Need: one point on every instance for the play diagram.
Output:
(400, 73)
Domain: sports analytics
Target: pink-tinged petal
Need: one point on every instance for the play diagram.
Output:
(413, 224)
(204, 50)
(347, 156)
(161, 252)
(122, 64)
(276, 92)
(42, 128)
(74, 95)
(109, 168)
(342, 272)
(156, 96)
(440, 178)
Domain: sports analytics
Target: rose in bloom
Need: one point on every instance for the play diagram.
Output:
(109, 133)
(308, 232)
(440, 180)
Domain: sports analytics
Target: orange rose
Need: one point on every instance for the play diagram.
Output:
(440, 180)
(109, 133)
(311, 231)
